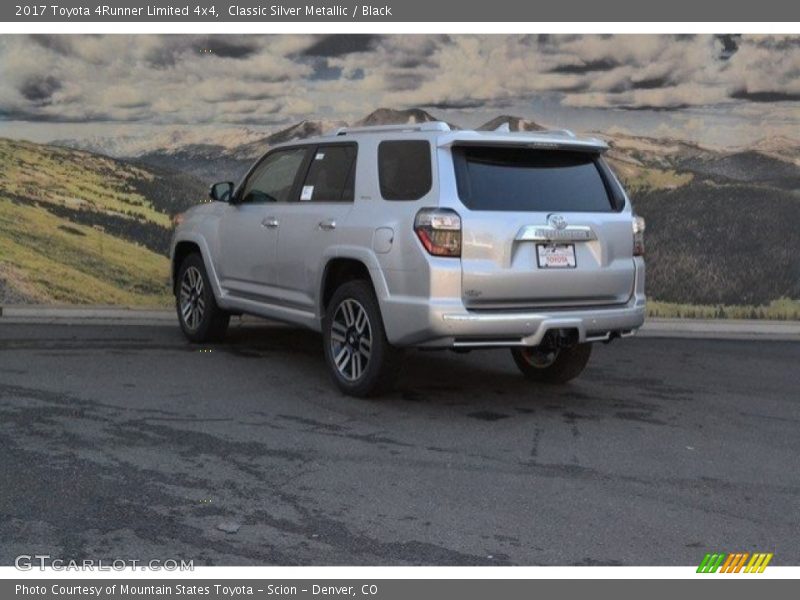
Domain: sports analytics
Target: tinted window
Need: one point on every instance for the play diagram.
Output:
(523, 179)
(404, 169)
(331, 175)
(273, 179)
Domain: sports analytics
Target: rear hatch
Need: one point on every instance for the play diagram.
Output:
(542, 228)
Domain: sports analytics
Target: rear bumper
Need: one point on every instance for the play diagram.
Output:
(446, 327)
(447, 323)
(528, 329)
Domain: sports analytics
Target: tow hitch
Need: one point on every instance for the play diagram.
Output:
(559, 338)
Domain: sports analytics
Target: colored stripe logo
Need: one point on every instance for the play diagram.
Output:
(736, 562)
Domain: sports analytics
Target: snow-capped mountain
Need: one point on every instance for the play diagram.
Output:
(391, 116)
(216, 154)
(780, 147)
(514, 124)
(298, 131)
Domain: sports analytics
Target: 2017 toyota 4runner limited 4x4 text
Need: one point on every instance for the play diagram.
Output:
(386, 238)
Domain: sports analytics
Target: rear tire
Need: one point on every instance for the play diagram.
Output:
(361, 360)
(565, 366)
(200, 318)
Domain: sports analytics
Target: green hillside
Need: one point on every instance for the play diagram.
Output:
(638, 178)
(722, 244)
(80, 228)
(721, 238)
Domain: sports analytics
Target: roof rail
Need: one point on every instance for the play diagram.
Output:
(426, 126)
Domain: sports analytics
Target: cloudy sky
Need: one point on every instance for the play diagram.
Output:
(713, 89)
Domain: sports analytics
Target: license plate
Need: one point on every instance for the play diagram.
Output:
(555, 256)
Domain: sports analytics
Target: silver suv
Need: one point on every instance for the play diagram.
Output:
(390, 237)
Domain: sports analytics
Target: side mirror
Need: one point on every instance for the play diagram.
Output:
(221, 192)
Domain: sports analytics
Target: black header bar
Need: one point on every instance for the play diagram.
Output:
(464, 11)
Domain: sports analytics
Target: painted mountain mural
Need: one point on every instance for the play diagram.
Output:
(88, 220)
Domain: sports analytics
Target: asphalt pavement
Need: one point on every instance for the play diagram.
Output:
(126, 442)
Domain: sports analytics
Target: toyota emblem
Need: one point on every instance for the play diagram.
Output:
(557, 221)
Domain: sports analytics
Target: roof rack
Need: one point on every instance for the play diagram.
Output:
(426, 126)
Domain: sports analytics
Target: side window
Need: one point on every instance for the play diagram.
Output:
(273, 179)
(404, 169)
(331, 175)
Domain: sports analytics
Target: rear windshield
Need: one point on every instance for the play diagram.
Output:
(525, 179)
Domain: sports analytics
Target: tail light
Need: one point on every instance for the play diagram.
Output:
(439, 230)
(638, 236)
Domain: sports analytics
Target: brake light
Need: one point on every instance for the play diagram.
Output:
(638, 236)
(439, 230)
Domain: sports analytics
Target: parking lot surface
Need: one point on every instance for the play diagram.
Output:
(126, 442)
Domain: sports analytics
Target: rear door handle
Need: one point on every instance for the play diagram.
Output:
(327, 224)
(270, 222)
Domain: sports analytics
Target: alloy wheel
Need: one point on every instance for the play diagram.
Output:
(193, 305)
(351, 339)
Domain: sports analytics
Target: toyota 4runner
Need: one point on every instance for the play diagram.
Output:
(384, 238)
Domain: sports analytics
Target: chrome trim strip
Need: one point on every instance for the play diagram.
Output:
(603, 337)
(544, 233)
(488, 344)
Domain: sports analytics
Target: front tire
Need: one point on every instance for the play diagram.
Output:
(553, 366)
(361, 360)
(200, 318)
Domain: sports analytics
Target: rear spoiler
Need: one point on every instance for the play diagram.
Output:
(555, 140)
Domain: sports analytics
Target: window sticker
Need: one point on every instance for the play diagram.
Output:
(319, 156)
(307, 193)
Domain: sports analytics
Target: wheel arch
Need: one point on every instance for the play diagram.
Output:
(183, 247)
(348, 265)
